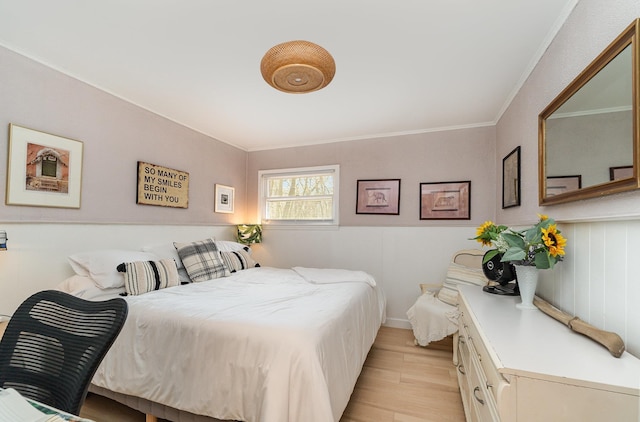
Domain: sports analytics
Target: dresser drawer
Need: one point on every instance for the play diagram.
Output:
(534, 380)
(464, 359)
(494, 381)
(477, 395)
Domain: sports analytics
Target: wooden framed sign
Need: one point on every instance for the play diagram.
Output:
(162, 186)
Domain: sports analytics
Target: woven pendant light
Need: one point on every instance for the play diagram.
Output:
(297, 67)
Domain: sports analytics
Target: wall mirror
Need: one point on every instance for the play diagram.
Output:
(588, 137)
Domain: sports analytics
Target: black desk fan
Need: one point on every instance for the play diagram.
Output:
(502, 273)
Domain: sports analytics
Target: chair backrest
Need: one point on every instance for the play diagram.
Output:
(53, 344)
(471, 258)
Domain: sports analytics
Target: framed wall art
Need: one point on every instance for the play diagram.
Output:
(511, 179)
(162, 186)
(225, 195)
(561, 184)
(380, 196)
(43, 170)
(445, 201)
(622, 172)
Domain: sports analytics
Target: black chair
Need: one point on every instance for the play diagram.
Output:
(53, 344)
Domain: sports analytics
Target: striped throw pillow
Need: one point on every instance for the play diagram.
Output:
(202, 260)
(459, 274)
(145, 276)
(238, 260)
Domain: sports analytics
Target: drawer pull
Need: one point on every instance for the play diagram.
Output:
(488, 385)
(475, 390)
(461, 340)
(461, 369)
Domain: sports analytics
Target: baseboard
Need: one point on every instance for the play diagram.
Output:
(398, 323)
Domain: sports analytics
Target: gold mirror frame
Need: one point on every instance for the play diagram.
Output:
(630, 37)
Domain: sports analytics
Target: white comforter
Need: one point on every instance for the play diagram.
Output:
(262, 345)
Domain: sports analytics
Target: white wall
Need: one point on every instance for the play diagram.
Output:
(400, 258)
(598, 280)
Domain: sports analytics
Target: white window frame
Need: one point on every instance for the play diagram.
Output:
(264, 175)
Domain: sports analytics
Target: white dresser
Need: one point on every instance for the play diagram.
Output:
(522, 365)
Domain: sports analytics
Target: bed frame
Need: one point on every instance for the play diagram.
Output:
(153, 410)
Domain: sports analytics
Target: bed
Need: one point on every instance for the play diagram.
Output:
(261, 344)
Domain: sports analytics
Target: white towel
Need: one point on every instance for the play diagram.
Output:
(332, 275)
(432, 319)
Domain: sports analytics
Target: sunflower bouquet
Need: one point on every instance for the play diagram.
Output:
(541, 245)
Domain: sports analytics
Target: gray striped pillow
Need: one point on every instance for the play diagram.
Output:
(202, 260)
(145, 276)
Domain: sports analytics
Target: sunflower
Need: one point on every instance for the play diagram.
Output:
(553, 240)
(541, 246)
(483, 233)
(486, 226)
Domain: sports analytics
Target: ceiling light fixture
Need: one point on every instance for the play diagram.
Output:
(297, 67)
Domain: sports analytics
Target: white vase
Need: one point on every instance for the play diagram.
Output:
(527, 282)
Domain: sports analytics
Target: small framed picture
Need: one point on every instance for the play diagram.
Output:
(622, 172)
(224, 198)
(561, 184)
(511, 179)
(445, 201)
(378, 197)
(43, 170)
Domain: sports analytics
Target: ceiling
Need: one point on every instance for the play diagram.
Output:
(402, 66)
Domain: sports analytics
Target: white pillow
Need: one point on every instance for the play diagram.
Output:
(168, 250)
(228, 246)
(76, 283)
(102, 265)
(84, 287)
(164, 251)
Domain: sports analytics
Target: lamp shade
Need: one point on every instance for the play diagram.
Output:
(297, 67)
(249, 234)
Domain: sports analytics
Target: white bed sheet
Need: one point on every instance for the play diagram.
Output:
(262, 345)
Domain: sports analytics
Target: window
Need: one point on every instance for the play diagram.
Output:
(49, 166)
(300, 195)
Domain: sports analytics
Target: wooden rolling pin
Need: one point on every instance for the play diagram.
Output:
(610, 340)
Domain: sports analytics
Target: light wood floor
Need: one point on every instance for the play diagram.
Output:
(400, 382)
